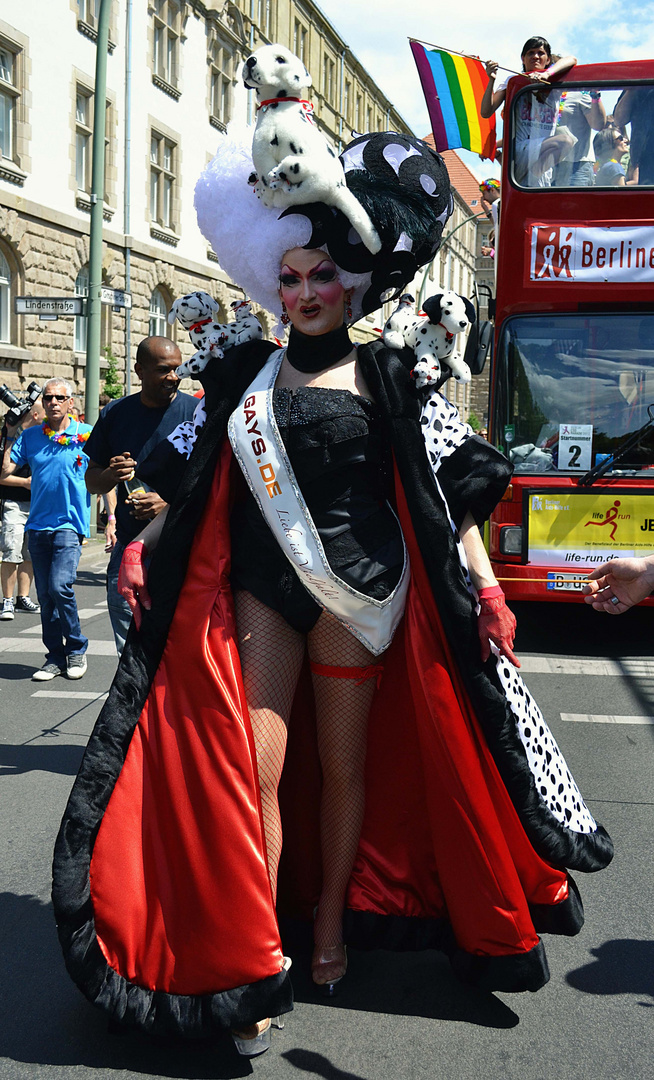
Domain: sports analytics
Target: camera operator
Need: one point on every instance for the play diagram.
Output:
(16, 568)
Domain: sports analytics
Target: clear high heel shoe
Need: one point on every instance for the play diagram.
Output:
(259, 1043)
(328, 957)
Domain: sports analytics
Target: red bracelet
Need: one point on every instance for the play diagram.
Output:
(134, 553)
(490, 592)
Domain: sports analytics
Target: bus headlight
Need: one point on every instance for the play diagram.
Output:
(511, 540)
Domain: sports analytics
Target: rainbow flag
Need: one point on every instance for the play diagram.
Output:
(453, 87)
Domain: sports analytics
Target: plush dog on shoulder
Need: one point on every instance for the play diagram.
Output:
(195, 312)
(432, 336)
(294, 164)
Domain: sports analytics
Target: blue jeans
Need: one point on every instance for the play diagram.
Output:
(55, 557)
(120, 612)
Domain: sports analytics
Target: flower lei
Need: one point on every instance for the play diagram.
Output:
(65, 440)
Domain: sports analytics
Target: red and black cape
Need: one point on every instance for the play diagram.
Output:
(161, 890)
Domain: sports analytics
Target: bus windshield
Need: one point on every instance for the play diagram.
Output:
(570, 388)
(583, 136)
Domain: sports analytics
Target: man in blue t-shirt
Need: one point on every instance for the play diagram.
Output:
(59, 519)
(126, 433)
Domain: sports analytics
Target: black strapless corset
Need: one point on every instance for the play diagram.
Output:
(335, 443)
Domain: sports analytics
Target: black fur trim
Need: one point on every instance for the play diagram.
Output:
(509, 974)
(506, 974)
(474, 478)
(566, 918)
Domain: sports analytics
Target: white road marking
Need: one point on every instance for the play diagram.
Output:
(84, 614)
(96, 648)
(103, 603)
(78, 695)
(597, 718)
(563, 665)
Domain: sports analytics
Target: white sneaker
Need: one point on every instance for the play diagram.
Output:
(7, 610)
(47, 672)
(76, 666)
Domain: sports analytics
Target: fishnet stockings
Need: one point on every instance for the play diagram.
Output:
(271, 655)
(342, 709)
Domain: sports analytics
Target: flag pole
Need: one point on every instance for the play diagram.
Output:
(467, 56)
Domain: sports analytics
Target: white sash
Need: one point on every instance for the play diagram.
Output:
(261, 453)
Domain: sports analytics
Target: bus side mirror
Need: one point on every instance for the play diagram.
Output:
(478, 346)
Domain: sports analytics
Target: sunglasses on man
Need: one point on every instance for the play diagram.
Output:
(55, 397)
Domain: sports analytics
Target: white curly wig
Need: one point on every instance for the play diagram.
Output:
(249, 238)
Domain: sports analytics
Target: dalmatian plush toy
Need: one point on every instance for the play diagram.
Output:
(294, 164)
(195, 312)
(432, 336)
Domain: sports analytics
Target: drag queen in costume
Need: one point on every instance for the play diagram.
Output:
(319, 576)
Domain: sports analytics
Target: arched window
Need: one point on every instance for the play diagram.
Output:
(5, 299)
(81, 289)
(158, 315)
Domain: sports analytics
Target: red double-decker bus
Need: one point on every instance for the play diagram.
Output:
(572, 370)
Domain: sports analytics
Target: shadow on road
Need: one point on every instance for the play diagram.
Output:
(52, 1024)
(56, 757)
(622, 966)
(318, 1065)
(18, 672)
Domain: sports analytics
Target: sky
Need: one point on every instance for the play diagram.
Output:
(593, 32)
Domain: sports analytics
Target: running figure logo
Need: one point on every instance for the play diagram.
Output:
(610, 518)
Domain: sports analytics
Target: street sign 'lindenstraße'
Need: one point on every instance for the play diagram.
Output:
(49, 305)
(68, 305)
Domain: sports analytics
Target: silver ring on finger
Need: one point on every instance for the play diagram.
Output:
(614, 600)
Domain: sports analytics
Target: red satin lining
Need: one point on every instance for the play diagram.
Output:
(178, 877)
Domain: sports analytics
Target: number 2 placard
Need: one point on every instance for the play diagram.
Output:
(575, 447)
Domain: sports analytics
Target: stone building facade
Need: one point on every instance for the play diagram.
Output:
(172, 84)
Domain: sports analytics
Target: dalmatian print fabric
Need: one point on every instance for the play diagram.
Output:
(185, 434)
(443, 433)
(554, 781)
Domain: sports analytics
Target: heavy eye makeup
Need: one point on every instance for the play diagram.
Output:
(323, 273)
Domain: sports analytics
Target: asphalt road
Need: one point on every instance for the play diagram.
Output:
(398, 1016)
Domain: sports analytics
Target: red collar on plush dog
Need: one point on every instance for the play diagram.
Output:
(307, 106)
(448, 335)
(202, 322)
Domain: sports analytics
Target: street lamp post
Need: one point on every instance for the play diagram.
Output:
(93, 303)
(444, 240)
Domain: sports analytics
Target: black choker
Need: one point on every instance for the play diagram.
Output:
(311, 354)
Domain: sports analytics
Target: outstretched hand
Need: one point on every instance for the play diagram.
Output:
(496, 622)
(619, 584)
(132, 579)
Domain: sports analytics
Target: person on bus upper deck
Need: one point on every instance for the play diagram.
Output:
(635, 106)
(539, 144)
(580, 111)
(609, 146)
(490, 198)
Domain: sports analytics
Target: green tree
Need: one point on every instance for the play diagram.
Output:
(474, 421)
(112, 386)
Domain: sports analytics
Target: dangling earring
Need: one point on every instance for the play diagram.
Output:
(348, 307)
(286, 318)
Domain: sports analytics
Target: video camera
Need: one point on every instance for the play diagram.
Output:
(18, 406)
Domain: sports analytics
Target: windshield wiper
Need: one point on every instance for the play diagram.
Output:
(594, 474)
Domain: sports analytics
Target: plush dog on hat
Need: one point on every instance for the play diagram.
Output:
(195, 312)
(432, 336)
(294, 164)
